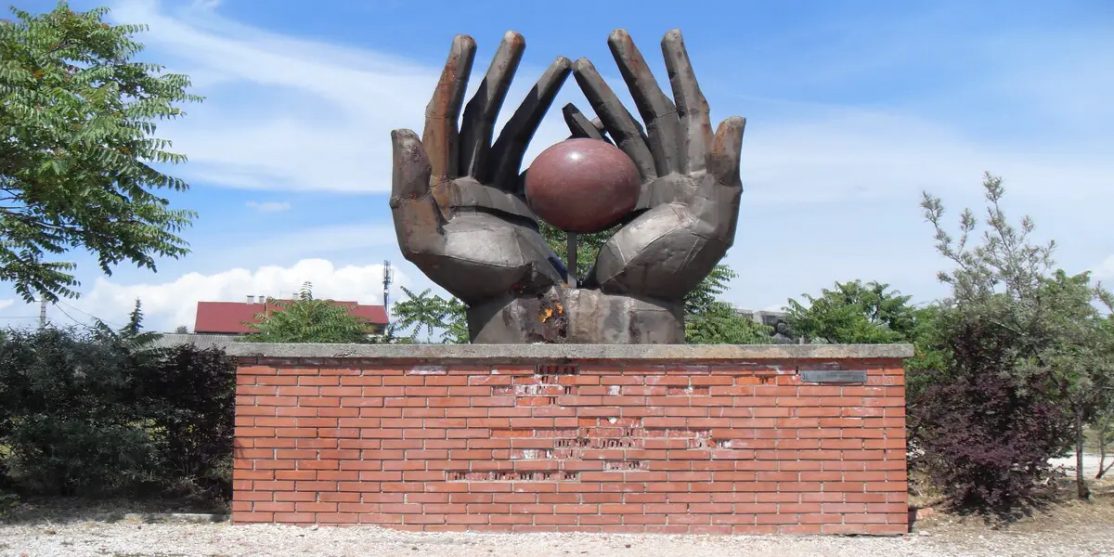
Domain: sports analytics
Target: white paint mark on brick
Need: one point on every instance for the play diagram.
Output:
(427, 370)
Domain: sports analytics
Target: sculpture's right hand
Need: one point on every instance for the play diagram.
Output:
(457, 207)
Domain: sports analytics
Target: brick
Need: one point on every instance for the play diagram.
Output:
(276, 400)
(246, 432)
(296, 411)
(255, 370)
(295, 432)
(309, 380)
(721, 450)
(276, 380)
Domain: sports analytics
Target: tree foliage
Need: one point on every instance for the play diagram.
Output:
(854, 313)
(710, 320)
(1104, 435)
(456, 322)
(307, 319)
(587, 246)
(721, 323)
(78, 154)
(705, 297)
(432, 313)
(1012, 331)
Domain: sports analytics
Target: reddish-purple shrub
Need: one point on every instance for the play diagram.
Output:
(987, 437)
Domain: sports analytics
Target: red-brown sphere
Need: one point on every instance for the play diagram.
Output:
(582, 185)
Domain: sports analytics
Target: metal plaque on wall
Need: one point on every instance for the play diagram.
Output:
(833, 375)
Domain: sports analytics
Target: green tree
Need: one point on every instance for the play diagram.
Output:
(1012, 317)
(418, 311)
(705, 297)
(78, 154)
(1079, 356)
(432, 312)
(1104, 436)
(721, 323)
(710, 320)
(308, 319)
(854, 313)
(456, 322)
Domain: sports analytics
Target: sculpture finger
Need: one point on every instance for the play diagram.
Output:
(658, 112)
(723, 161)
(417, 218)
(479, 116)
(618, 121)
(508, 150)
(579, 124)
(440, 134)
(692, 107)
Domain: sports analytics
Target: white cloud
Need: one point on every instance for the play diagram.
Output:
(841, 154)
(6, 303)
(1105, 270)
(269, 206)
(287, 113)
(281, 113)
(284, 113)
(167, 305)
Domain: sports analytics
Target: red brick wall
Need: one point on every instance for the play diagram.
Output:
(744, 448)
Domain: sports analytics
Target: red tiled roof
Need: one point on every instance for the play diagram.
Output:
(231, 317)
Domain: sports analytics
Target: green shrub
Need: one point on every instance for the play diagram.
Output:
(99, 412)
(66, 456)
(192, 407)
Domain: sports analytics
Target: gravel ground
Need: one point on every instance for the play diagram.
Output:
(137, 536)
(134, 529)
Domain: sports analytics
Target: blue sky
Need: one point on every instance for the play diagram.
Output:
(853, 109)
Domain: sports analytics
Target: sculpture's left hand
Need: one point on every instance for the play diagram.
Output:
(455, 197)
(691, 186)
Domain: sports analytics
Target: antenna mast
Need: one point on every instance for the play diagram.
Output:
(388, 277)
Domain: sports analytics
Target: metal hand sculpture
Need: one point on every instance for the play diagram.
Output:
(691, 184)
(454, 194)
(461, 218)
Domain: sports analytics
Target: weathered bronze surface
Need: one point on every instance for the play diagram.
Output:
(460, 215)
(582, 185)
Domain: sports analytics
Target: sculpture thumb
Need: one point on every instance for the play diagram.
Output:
(410, 179)
(723, 160)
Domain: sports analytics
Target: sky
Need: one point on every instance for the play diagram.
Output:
(853, 110)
